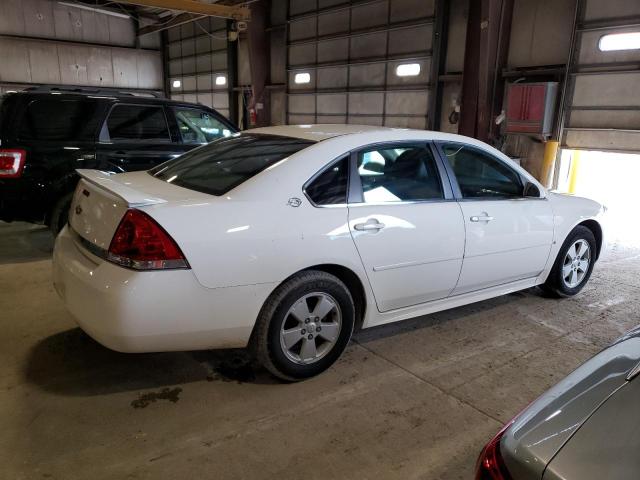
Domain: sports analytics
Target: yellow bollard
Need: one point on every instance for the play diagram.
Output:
(573, 170)
(549, 159)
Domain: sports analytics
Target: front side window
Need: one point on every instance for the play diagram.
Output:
(199, 126)
(402, 173)
(330, 187)
(131, 123)
(481, 175)
(224, 164)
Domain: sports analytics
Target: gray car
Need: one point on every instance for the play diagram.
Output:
(585, 427)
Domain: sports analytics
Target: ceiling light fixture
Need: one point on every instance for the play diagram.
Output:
(82, 6)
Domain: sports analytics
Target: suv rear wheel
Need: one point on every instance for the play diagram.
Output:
(60, 214)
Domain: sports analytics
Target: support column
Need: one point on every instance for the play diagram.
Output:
(259, 59)
(488, 31)
(548, 162)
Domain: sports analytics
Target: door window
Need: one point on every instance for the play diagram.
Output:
(481, 175)
(131, 123)
(330, 187)
(401, 173)
(199, 126)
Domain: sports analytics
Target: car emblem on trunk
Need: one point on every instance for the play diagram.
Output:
(78, 209)
(294, 202)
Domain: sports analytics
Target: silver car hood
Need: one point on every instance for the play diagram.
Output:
(542, 429)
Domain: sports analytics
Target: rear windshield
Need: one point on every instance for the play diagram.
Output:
(224, 164)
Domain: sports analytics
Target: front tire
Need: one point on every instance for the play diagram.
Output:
(574, 264)
(304, 326)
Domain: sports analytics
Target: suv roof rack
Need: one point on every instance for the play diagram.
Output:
(94, 91)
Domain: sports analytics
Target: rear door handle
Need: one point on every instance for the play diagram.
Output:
(481, 218)
(372, 225)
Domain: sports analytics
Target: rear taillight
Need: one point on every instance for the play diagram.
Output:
(11, 162)
(142, 244)
(490, 465)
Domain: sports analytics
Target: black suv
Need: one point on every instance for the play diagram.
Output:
(46, 133)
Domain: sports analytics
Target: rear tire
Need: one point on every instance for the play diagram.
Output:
(304, 326)
(573, 266)
(60, 214)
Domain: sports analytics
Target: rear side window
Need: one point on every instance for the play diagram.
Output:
(398, 174)
(54, 119)
(137, 123)
(481, 175)
(330, 187)
(224, 164)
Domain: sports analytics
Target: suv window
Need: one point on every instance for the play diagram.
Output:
(224, 164)
(55, 119)
(199, 126)
(330, 187)
(481, 175)
(400, 173)
(138, 122)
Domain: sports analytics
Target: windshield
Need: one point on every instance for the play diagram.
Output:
(224, 164)
(199, 126)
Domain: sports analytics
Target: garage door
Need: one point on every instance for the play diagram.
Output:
(197, 63)
(604, 92)
(359, 62)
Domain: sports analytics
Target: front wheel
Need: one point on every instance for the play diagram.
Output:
(573, 265)
(304, 326)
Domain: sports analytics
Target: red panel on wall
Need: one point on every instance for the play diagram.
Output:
(530, 107)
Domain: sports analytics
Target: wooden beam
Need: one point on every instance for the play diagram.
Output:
(191, 6)
(174, 22)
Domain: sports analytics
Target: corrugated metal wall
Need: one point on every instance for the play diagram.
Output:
(604, 91)
(351, 51)
(197, 57)
(42, 41)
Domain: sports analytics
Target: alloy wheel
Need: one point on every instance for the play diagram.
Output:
(576, 263)
(311, 328)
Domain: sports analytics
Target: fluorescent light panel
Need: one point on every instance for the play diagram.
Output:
(221, 80)
(94, 9)
(408, 69)
(619, 41)
(304, 77)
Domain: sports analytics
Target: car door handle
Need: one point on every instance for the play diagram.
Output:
(481, 218)
(370, 226)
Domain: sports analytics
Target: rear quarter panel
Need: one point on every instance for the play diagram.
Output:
(231, 242)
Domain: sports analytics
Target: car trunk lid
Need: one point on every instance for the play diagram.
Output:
(101, 200)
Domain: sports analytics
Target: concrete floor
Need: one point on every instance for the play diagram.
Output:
(414, 400)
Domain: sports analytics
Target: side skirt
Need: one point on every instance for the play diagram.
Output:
(378, 318)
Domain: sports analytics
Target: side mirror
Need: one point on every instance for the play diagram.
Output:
(531, 190)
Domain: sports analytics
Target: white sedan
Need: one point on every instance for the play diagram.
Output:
(285, 239)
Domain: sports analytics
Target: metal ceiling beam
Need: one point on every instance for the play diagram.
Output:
(191, 6)
(180, 19)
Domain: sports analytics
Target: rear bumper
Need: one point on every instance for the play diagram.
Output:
(170, 310)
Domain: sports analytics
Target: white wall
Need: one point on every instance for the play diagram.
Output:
(42, 41)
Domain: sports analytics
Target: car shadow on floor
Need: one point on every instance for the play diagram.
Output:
(72, 363)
